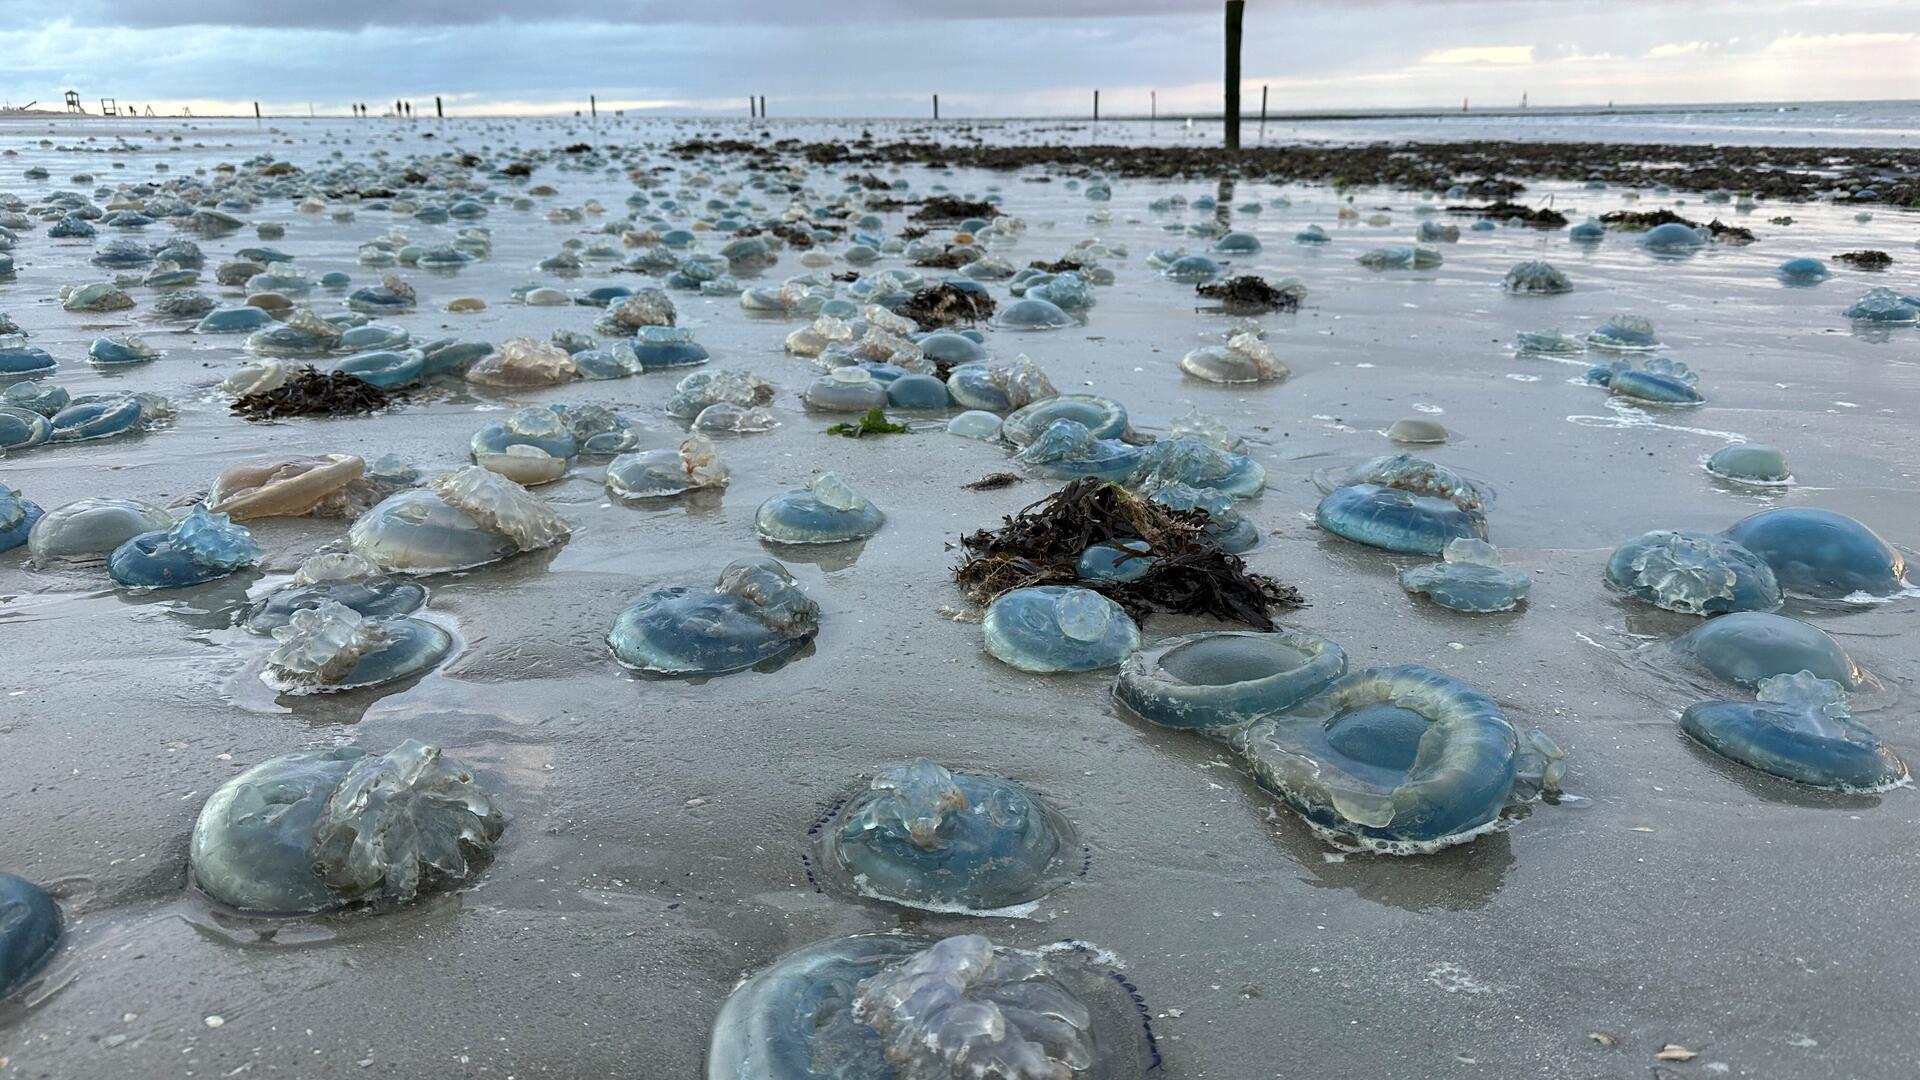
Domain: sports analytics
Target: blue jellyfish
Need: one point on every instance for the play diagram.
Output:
(1190, 460)
(1126, 561)
(1245, 358)
(385, 368)
(347, 580)
(999, 388)
(952, 348)
(1471, 578)
(1405, 517)
(845, 389)
(197, 549)
(22, 428)
(1801, 730)
(1031, 313)
(653, 474)
(899, 1008)
(391, 296)
(1883, 306)
(537, 425)
(102, 416)
(1693, 573)
(1587, 232)
(975, 424)
(29, 931)
(43, 398)
(1802, 271)
(754, 614)
(826, 511)
(1435, 232)
(19, 358)
(1403, 758)
(1216, 681)
(1661, 381)
(459, 520)
(1750, 463)
(316, 830)
(1535, 278)
(1105, 417)
(1066, 449)
(1401, 257)
(17, 516)
(915, 391)
(1245, 243)
(233, 320)
(1674, 238)
(1226, 528)
(660, 348)
(1821, 553)
(922, 836)
(92, 527)
(329, 647)
(1748, 647)
(1624, 332)
(1052, 628)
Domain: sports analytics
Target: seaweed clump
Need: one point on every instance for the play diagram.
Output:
(1042, 545)
(310, 392)
(994, 481)
(875, 422)
(946, 305)
(1249, 295)
(1865, 260)
(1537, 217)
(948, 208)
(947, 258)
(1730, 234)
(1642, 220)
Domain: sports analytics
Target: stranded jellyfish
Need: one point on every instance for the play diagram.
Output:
(1220, 680)
(845, 389)
(701, 390)
(1417, 429)
(1031, 313)
(1693, 573)
(1821, 553)
(754, 614)
(339, 578)
(1624, 332)
(1802, 271)
(330, 484)
(316, 830)
(1226, 528)
(1750, 463)
(659, 348)
(1674, 238)
(91, 527)
(1883, 306)
(1000, 388)
(826, 511)
(17, 516)
(113, 350)
(1192, 461)
(1661, 381)
(917, 392)
(1402, 758)
(1748, 647)
(925, 837)
(19, 358)
(887, 1007)
(653, 474)
(1191, 269)
(1406, 504)
(524, 362)
(1401, 257)
(1050, 628)
(198, 548)
(1535, 278)
(1245, 358)
(457, 521)
(29, 931)
(330, 647)
(1800, 729)
(1105, 417)
(1471, 578)
(1066, 450)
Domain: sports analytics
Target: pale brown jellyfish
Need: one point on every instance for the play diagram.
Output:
(328, 485)
(523, 361)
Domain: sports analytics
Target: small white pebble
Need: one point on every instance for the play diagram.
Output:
(215, 1021)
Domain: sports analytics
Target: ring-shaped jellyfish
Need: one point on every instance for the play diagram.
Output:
(1693, 573)
(30, 929)
(459, 520)
(23, 428)
(1403, 758)
(922, 836)
(1104, 417)
(901, 1008)
(827, 511)
(1800, 729)
(1749, 647)
(1219, 680)
(1053, 628)
(1821, 553)
(754, 614)
(316, 830)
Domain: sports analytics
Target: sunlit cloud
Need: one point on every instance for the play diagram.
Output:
(1482, 54)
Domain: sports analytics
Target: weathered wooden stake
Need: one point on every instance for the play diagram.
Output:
(1263, 105)
(1153, 104)
(593, 106)
(1096, 106)
(936, 106)
(763, 106)
(256, 110)
(1236, 11)
(439, 110)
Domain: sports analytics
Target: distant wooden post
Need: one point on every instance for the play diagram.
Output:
(753, 107)
(1153, 104)
(439, 111)
(1236, 11)
(256, 110)
(763, 106)
(936, 106)
(593, 106)
(1096, 106)
(1263, 106)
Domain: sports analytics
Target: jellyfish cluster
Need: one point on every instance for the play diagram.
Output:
(1801, 550)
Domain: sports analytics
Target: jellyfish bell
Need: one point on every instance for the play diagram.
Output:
(827, 511)
(459, 520)
(92, 527)
(754, 614)
(1693, 573)
(658, 473)
(1066, 450)
(1821, 553)
(329, 647)
(30, 931)
(1750, 463)
(295, 486)
(341, 578)
(197, 549)
(1054, 628)
(1800, 730)
(1471, 578)
(1104, 417)
(1749, 647)
(1212, 682)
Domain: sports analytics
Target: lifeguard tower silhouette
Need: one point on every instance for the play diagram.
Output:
(73, 103)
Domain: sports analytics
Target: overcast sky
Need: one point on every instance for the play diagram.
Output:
(984, 57)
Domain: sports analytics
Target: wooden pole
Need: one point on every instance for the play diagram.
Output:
(1263, 105)
(763, 106)
(256, 110)
(593, 106)
(1153, 104)
(1236, 11)
(936, 106)
(439, 110)
(1096, 106)
(753, 107)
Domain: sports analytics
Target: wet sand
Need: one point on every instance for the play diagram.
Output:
(653, 855)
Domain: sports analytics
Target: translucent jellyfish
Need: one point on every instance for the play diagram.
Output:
(1192, 269)
(1434, 232)
(659, 348)
(952, 348)
(1589, 231)
(92, 527)
(1312, 234)
(1031, 313)
(338, 578)
(1406, 504)
(891, 1006)
(1536, 278)
(233, 320)
(1199, 464)
(1127, 561)
(99, 296)
(1799, 730)
(1547, 343)
(1661, 381)
(1750, 463)
(1883, 306)
(655, 473)
(826, 511)
(1226, 527)
(1624, 332)
(521, 362)
(102, 416)
(1051, 628)
(1802, 271)
(1400, 257)
(1245, 358)
(115, 349)
(1470, 579)
(1747, 647)
(1105, 417)
(42, 398)
(1674, 238)
(1000, 388)
(754, 614)
(975, 424)
(1066, 449)
(537, 426)
(30, 929)
(19, 358)
(390, 296)
(458, 521)
(197, 549)
(329, 647)
(329, 484)
(1417, 429)
(1219, 680)
(648, 307)
(316, 830)
(925, 837)
(815, 338)
(17, 516)
(703, 389)
(22, 428)
(915, 391)
(1821, 553)
(845, 389)
(183, 305)
(1404, 759)
(1693, 573)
